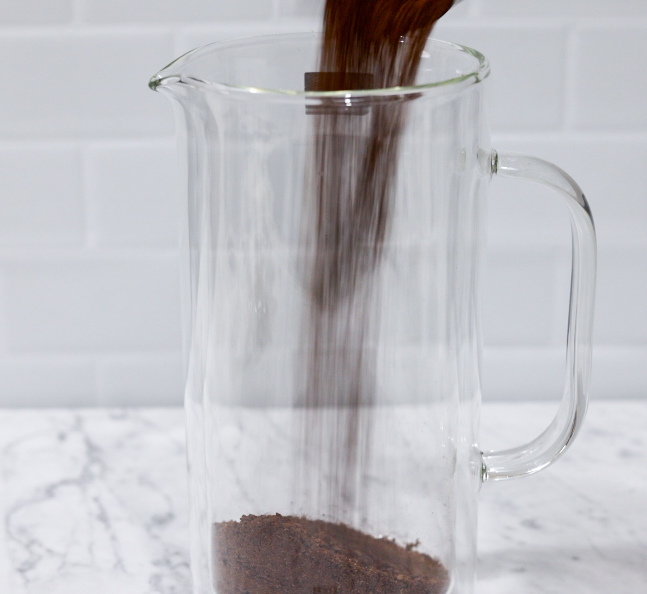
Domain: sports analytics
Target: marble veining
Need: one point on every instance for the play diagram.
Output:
(95, 501)
(579, 525)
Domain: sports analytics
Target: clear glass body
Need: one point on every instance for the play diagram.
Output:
(408, 451)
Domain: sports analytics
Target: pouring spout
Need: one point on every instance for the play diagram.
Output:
(158, 81)
(171, 74)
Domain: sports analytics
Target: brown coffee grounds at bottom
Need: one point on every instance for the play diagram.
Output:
(290, 555)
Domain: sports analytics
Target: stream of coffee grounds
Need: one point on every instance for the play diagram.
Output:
(350, 185)
(349, 194)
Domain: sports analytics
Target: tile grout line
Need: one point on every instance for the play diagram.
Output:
(82, 356)
(74, 29)
(559, 264)
(610, 134)
(89, 214)
(276, 10)
(570, 78)
(4, 346)
(78, 23)
(475, 9)
(573, 135)
(96, 380)
(77, 12)
(100, 254)
(176, 42)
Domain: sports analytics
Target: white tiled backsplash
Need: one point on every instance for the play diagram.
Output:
(89, 305)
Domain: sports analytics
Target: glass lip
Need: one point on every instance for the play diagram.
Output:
(172, 74)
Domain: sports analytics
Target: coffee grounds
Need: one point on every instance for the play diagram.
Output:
(289, 555)
(349, 192)
(366, 44)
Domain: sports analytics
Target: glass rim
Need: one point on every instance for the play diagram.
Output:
(173, 74)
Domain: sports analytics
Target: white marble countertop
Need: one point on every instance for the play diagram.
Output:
(94, 501)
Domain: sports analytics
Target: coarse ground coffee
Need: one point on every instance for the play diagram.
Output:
(289, 555)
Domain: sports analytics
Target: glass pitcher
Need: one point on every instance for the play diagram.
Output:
(376, 492)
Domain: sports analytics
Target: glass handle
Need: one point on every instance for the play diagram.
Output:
(542, 451)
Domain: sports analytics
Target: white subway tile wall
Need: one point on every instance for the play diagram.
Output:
(21, 12)
(527, 70)
(610, 87)
(89, 280)
(172, 11)
(81, 82)
(107, 302)
(42, 200)
(133, 195)
(149, 379)
(572, 8)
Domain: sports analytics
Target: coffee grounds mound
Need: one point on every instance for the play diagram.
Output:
(290, 555)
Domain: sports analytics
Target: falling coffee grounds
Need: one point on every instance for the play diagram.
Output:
(289, 555)
(349, 194)
(348, 197)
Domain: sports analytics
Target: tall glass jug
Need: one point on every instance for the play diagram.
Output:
(376, 493)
